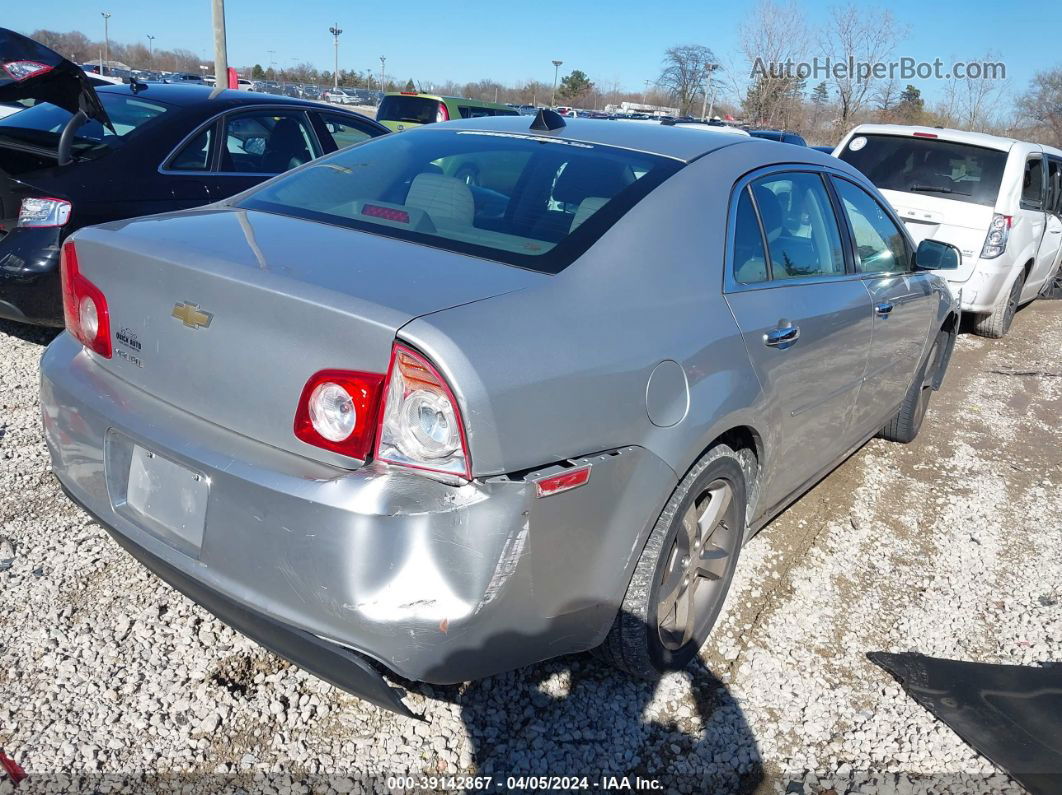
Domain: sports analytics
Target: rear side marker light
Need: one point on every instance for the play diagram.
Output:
(84, 306)
(386, 213)
(23, 70)
(565, 481)
(43, 212)
(338, 411)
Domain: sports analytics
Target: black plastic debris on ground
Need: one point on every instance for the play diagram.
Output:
(1012, 714)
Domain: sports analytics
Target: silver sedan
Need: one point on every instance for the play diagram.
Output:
(490, 391)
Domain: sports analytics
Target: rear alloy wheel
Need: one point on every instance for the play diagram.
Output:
(683, 575)
(997, 323)
(905, 425)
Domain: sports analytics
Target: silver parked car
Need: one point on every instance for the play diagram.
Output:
(487, 392)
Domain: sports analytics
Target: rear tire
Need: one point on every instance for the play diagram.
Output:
(996, 323)
(684, 573)
(904, 427)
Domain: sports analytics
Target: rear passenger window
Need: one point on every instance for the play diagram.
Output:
(265, 143)
(799, 226)
(195, 156)
(880, 247)
(343, 130)
(750, 263)
(1054, 185)
(1032, 188)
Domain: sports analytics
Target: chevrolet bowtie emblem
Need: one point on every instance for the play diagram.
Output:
(192, 316)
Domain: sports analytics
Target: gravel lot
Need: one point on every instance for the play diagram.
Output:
(951, 546)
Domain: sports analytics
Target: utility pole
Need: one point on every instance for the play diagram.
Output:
(706, 108)
(383, 71)
(106, 41)
(335, 30)
(221, 50)
(556, 71)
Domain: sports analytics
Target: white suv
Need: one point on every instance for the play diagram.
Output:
(998, 200)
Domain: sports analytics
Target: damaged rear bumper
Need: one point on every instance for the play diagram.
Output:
(329, 661)
(439, 583)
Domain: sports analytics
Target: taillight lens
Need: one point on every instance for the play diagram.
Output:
(998, 234)
(84, 306)
(421, 425)
(43, 212)
(338, 411)
(23, 70)
(442, 114)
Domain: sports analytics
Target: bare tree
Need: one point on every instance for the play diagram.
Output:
(859, 35)
(1041, 106)
(685, 73)
(774, 42)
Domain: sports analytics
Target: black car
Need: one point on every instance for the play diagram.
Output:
(172, 147)
(784, 136)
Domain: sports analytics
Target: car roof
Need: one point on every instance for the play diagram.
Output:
(675, 142)
(189, 94)
(1003, 143)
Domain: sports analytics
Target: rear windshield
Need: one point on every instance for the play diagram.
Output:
(415, 110)
(928, 166)
(42, 124)
(523, 199)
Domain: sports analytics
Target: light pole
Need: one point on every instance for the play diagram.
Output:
(383, 71)
(151, 45)
(708, 105)
(335, 30)
(221, 50)
(106, 41)
(556, 71)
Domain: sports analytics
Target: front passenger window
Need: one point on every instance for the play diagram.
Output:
(799, 226)
(880, 247)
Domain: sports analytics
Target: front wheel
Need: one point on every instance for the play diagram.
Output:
(683, 575)
(904, 427)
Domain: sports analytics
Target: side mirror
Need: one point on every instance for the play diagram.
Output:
(936, 255)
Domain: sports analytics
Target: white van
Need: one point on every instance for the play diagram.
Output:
(998, 200)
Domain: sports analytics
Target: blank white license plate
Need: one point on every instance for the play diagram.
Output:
(170, 495)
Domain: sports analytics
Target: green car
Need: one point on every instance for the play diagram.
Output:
(401, 110)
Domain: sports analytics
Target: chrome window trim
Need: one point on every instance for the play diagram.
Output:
(302, 109)
(730, 283)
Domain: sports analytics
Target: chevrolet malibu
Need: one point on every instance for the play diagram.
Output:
(488, 392)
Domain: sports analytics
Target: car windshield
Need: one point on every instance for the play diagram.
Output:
(928, 166)
(523, 199)
(42, 124)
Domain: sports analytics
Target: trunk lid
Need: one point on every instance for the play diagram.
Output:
(265, 301)
(928, 217)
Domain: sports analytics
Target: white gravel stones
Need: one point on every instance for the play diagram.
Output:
(951, 546)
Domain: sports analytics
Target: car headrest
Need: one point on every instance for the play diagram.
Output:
(584, 177)
(444, 199)
(770, 212)
(587, 207)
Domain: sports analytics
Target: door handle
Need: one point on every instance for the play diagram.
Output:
(883, 308)
(781, 337)
(1056, 231)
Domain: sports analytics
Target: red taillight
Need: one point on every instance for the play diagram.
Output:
(442, 114)
(338, 410)
(924, 135)
(565, 481)
(420, 422)
(84, 306)
(387, 213)
(23, 70)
